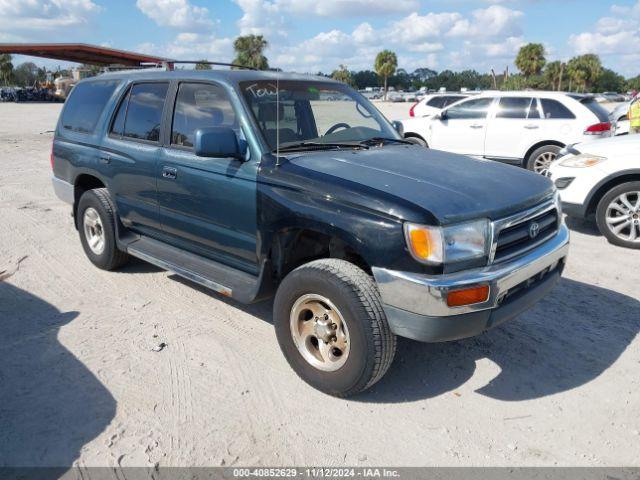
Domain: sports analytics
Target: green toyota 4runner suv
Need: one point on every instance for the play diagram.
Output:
(257, 184)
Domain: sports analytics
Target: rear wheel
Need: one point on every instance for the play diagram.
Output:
(541, 158)
(618, 215)
(331, 327)
(96, 223)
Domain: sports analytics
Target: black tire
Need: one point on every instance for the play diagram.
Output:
(633, 190)
(549, 150)
(417, 141)
(110, 258)
(355, 294)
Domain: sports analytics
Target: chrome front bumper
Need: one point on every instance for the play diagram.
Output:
(410, 298)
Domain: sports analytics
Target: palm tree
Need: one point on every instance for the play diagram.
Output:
(530, 59)
(386, 64)
(584, 70)
(249, 50)
(6, 68)
(553, 74)
(342, 75)
(203, 65)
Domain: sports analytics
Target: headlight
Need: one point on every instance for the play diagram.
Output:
(558, 201)
(454, 243)
(582, 161)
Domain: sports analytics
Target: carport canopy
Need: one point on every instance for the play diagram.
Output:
(83, 53)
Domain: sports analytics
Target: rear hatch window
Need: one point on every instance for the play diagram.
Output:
(597, 109)
(85, 105)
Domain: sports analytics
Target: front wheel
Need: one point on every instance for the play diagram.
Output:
(618, 215)
(416, 141)
(541, 158)
(331, 327)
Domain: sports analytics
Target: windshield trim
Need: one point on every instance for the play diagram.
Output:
(331, 84)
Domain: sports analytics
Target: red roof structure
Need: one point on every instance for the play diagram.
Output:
(82, 53)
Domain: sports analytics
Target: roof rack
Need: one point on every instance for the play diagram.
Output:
(220, 64)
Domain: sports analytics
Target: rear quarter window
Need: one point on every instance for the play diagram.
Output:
(86, 104)
(595, 108)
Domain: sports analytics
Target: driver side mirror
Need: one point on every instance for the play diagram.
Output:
(221, 142)
(441, 115)
(399, 127)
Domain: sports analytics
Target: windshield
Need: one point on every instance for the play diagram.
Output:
(313, 112)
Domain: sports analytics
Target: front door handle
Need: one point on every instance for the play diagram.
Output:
(531, 127)
(169, 173)
(475, 126)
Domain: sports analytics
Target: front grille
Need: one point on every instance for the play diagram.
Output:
(516, 239)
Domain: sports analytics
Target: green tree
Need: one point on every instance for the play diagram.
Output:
(530, 59)
(385, 66)
(584, 71)
(26, 74)
(342, 74)
(553, 74)
(365, 78)
(203, 65)
(249, 51)
(633, 83)
(609, 81)
(6, 68)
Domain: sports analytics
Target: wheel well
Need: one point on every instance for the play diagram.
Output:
(82, 184)
(415, 135)
(541, 144)
(605, 187)
(292, 248)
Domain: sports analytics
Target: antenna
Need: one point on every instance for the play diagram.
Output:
(278, 119)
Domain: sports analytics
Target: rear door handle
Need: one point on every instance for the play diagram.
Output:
(106, 159)
(169, 173)
(531, 127)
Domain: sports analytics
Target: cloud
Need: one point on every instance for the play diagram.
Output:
(494, 21)
(32, 16)
(179, 14)
(343, 8)
(416, 28)
(193, 46)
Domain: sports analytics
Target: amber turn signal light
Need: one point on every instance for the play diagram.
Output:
(468, 296)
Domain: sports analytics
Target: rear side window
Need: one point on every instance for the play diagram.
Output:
(198, 106)
(437, 102)
(553, 109)
(449, 100)
(86, 104)
(139, 115)
(514, 107)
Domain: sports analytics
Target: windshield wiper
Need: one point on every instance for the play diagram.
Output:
(319, 146)
(383, 140)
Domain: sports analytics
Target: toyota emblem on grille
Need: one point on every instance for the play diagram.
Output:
(534, 229)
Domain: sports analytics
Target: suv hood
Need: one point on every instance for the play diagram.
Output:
(450, 187)
(612, 147)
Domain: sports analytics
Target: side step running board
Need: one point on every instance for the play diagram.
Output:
(223, 279)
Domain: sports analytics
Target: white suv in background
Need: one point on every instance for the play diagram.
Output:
(433, 103)
(522, 128)
(602, 179)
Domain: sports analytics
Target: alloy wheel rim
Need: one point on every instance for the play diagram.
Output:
(542, 163)
(319, 332)
(93, 230)
(623, 216)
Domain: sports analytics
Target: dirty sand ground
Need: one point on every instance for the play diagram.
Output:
(80, 384)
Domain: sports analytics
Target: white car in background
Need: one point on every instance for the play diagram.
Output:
(602, 179)
(433, 103)
(619, 119)
(524, 128)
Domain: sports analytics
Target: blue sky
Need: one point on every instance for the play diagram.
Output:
(318, 35)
